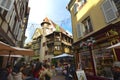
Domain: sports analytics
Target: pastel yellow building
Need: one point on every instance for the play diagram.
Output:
(94, 10)
(95, 28)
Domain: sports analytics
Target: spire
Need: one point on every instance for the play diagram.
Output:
(45, 20)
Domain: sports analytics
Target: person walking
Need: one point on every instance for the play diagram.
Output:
(68, 72)
(27, 74)
(116, 70)
(46, 73)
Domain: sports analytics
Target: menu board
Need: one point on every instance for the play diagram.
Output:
(81, 75)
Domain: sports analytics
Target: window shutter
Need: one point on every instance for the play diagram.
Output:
(6, 4)
(79, 33)
(109, 11)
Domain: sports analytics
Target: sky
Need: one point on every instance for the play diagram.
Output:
(53, 9)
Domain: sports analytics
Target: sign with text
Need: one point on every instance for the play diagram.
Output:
(81, 75)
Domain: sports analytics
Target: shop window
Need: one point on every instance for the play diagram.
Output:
(86, 61)
(87, 26)
(109, 10)
(6, 4)
(104, 59)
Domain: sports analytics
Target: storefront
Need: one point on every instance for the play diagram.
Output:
(95, 59)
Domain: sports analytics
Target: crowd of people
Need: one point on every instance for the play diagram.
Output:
(35, 70)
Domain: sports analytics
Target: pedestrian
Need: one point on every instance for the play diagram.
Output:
(46, 73)
(6, 73)
(116, 70)
(37, 69)
(68, 72)
(9, 70)
(27, 74)
(17, 74)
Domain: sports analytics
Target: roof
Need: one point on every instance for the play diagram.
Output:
(58, 28)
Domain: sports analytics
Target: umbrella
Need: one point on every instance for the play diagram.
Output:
(114, 46)
(64, 55)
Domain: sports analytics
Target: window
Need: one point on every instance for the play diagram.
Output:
(57, 47)
(19, 37)
(117, 4)
(104, 59)
(76, 8)
(6, 4)
(87, 26)
(17, 25)
(84, 27)
(82, 1)
(78, 4)
(79, 30)
(109, 10)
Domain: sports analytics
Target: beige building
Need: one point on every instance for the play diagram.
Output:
(42, 37)
(13, 22)
(96, 26)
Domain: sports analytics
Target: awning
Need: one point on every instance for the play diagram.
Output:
(6, 49)
(22, 51)
(12, 55)
(114, 46)
(4, 46)
(64, 55)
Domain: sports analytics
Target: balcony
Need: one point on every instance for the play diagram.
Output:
(66, 43)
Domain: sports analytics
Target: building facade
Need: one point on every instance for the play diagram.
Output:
(53, 40)
(95, 25)
(36, 42)
(13, 22)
